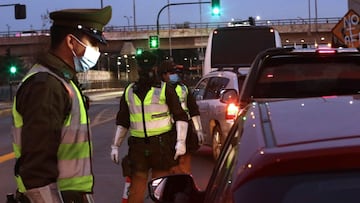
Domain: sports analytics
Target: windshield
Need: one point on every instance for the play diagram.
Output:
(310, 77)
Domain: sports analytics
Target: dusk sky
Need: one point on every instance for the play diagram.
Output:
(146, 11)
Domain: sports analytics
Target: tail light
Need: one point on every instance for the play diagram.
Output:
(232, 111)
(326, 51)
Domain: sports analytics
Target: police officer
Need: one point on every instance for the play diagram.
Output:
(145, 111)
(52, 139)
(195, 135)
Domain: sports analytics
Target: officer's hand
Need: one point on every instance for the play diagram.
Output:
(201, 137)
(180, 148)
(115, 154)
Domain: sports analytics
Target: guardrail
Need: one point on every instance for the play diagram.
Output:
(298, 21)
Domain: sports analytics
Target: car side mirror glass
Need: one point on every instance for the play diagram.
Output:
(174, 188)
(229, 96)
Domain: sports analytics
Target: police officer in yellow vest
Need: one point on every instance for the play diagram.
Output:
(52, 139)
(146, 111)
(195, 135)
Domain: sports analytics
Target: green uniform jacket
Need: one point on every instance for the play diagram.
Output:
(44, 105)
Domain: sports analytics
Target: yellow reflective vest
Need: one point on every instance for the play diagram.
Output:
(75, 150)
(182, 92)
(149, 117)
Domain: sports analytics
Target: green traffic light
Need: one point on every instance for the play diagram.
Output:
(215, 7)
(216, 11)
(139, 51)
(13, 69)
(154, 42)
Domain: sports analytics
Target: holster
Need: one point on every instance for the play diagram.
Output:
(18, 197)
(126, 167)
(192, 141)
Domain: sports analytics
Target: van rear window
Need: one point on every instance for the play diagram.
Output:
(239, 45)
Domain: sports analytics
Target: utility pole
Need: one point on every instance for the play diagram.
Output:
(134, 14)
(309, 31)
(170, 48)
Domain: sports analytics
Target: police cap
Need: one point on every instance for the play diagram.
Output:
(167, 66)
(146, 60)
(89, 21)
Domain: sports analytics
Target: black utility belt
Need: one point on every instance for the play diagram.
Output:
(164, 137)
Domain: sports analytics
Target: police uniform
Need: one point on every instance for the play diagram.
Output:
(146, 111)
(52, 139)
(195, 135)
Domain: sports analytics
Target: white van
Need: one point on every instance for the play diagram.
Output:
(237, 46)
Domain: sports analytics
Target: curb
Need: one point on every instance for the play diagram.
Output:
(6, 107)
(5, 112)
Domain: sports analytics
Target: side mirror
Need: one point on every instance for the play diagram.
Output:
(175, 189)
(199, 97)
(229, 96)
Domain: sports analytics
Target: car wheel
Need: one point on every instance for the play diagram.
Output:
(216, 143)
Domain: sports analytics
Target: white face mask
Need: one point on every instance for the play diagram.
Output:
(89, 60)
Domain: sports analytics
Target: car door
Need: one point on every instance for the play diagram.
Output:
(199, 92)
(207, 95)
(219, 187)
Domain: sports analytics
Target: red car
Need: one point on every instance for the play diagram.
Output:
(297, 139)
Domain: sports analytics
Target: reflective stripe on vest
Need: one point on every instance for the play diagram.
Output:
(156, 112)
(74, 153)
(182, 92)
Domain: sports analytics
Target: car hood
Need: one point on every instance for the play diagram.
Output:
(313, 119)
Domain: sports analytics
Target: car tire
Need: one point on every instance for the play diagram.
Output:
(216, 141)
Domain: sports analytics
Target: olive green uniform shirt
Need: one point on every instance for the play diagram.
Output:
(44, 103)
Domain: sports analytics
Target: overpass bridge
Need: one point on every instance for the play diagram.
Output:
(185, 42)
(183, 36)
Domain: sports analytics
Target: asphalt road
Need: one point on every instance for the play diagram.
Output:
(109, 182)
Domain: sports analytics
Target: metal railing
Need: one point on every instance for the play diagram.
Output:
(185, 25)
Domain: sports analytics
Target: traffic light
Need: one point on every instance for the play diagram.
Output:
(13, 69)
(20, 11)
(215, 7)
(154, 42)
(139, 51)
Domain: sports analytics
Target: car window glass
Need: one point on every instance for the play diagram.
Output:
(241, 80)
(199, 90)
(321, 187)
(214, 87)
(219, 187)
(315, 77)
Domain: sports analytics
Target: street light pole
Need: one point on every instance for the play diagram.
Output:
(309, 31)
(316, 16)
(170, 48)
(128, 20)
(134, 15)
(174, 4)
(8, 29)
